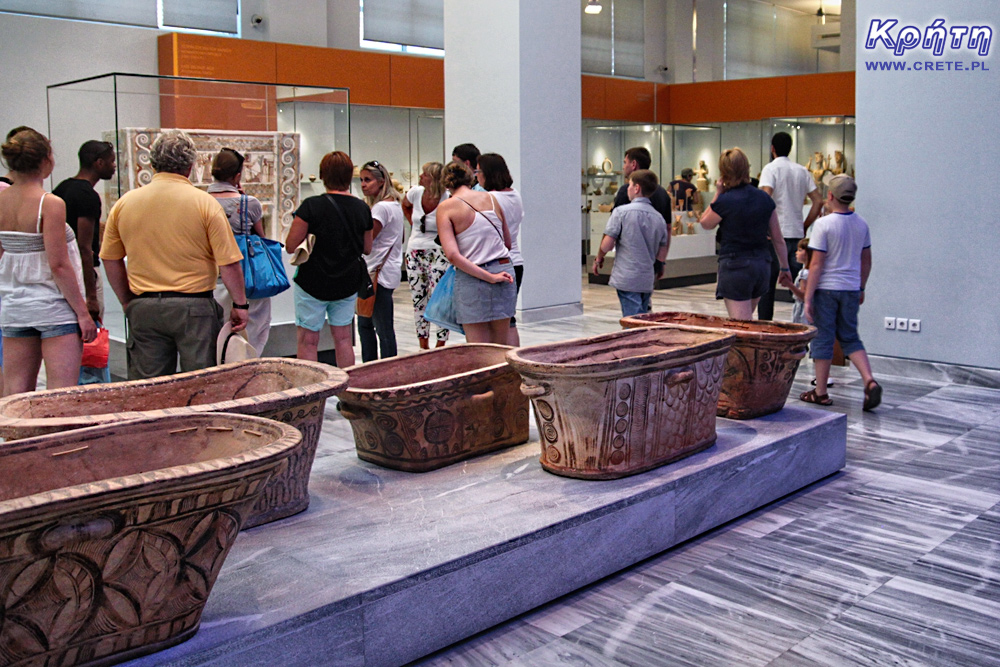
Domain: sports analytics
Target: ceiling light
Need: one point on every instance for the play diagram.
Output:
(593, 7)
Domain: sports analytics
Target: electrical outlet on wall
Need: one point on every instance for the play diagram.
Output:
(902, 324)
(890, 323)
(915, 326)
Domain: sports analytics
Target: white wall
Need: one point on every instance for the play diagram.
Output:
(926, 158)
(38, 52)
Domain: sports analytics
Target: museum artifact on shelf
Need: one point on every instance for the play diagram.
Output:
(423, 411)
(111, 537)
(762, 361)
(286, 390)
(618, 404)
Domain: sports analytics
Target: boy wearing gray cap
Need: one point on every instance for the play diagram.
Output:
(839, 269)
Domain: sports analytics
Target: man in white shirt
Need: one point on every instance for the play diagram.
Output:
(788, 183)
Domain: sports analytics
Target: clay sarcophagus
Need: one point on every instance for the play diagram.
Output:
(286, 390)
(424, 411)
(621, 403)
(762, 362)
(111, 537)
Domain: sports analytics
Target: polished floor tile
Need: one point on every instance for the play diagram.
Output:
(895, 560)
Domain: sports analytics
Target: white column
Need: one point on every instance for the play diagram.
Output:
(512, 86)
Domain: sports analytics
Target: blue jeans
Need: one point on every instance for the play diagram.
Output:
(835, 314)
(377, 331)
(634, 303)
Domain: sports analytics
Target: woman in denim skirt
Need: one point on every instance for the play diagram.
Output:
(745, 217)
(476, 240)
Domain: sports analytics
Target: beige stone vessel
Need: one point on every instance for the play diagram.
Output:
(423, 411)
(621, 403)
(111, 537)
(286, 390)
(761, 364)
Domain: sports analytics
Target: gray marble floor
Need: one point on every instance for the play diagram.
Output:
(894, 561)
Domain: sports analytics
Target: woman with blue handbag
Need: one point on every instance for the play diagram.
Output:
(244, 214)
(476, 241)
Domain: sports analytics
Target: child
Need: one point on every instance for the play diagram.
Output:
(803, 255)
(841, 263)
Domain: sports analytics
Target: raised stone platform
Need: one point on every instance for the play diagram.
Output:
(387, 566)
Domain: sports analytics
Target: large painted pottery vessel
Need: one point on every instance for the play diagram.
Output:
(111, 537)
(762, 362)
(621, 403)
(286, 390)
(424, 411)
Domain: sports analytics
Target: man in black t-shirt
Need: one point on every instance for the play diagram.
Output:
(684, 194)
(83, 214)
(635, 159)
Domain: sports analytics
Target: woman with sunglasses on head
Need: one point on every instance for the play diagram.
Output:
(386, 257)
(494, 176)
(44, 314)
(425, 260)
(244, 213)
(326, 285)
(476, 240)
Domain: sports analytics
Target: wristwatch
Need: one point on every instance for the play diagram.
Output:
(245, 306)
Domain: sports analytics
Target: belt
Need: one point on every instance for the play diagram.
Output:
(501, 260)
(174, 295)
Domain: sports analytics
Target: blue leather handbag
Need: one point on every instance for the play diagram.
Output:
(263, 271)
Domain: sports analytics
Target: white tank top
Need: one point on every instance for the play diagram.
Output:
(482, 241)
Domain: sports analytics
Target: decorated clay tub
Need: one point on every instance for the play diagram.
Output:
(424, 411)
(621, 403)
(111, 537)
(762, 361)
(287, 390)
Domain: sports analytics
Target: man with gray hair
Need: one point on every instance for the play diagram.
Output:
(177, 240)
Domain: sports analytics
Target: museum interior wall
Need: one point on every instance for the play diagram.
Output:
(75, 50)
(921, 137)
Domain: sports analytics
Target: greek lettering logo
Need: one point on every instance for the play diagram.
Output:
(934, 38)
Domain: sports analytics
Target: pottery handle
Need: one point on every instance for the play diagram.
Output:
(679, 377)
(534, 391)
(794, 356)
(485, 397)
(353, 414)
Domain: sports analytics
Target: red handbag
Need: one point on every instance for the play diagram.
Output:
(95, 353)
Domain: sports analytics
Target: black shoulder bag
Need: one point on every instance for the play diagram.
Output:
(365, 287)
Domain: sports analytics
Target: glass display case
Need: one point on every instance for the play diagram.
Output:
(824, 144)
(279, 128)
(672, 148)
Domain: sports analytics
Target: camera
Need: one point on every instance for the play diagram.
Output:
(257, 20)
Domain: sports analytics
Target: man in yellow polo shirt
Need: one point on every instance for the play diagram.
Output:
(177, 240)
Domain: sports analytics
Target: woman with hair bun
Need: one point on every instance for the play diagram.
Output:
(242, 211)
(43, 314)
(476, 240)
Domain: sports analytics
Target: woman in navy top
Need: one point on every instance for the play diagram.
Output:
(745, 217)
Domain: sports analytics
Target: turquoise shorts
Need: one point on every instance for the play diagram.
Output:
(311, 313)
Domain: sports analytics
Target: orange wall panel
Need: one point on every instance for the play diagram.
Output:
(417, 82)
(210, 57)
(662, 103)
(727, 101)
(821, 95)
(366, 74)
(592, 97)
(630, 100)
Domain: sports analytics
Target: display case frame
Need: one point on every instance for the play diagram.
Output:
(130, 110)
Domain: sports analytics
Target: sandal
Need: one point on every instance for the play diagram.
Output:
(817, 399)
(873, 395)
